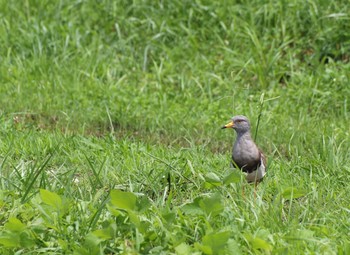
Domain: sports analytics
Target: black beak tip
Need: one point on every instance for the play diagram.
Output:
(223, 127)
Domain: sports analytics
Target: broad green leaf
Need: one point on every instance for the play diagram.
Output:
(26, 240)
(123, 199)
(15, 225)
(233, 247)
(16, 236)
(134, 218)
(205, 249)
(64, 244)
(10, 240)
(144, 227)
(232, 177)
(292, 193)
(212, 205)
(193, 208)
(142, 203)
(169, 217)
(212, 180)
(183, 249)
(94, 238)
(217, 241)
(51, 199)
(83, 251)
(92, 243)
(262, 233)
(113, 210)
(103, 234)
(258, 243)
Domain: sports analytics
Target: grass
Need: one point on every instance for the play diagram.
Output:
(110, 139)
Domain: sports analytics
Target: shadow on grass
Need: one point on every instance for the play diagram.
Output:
(58, 122)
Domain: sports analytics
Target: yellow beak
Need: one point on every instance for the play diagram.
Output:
(229, 125)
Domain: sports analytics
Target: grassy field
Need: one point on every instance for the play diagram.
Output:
(110, 139)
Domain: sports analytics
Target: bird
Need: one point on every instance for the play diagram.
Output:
(245, 153)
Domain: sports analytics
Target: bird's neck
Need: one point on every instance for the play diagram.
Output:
(245, 135)
(244, 148)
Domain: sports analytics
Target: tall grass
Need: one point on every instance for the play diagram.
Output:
(110, 137)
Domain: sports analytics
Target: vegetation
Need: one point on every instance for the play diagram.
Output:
(110, 139)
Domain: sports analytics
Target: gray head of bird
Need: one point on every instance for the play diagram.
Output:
(239, 123)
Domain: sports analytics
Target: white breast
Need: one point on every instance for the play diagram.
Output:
(258, 174)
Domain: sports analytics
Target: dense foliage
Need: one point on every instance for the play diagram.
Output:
(110, 139)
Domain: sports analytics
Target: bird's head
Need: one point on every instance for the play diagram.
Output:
(239, 123)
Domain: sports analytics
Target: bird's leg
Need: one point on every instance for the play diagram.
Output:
(255, 185)
(243, 191)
